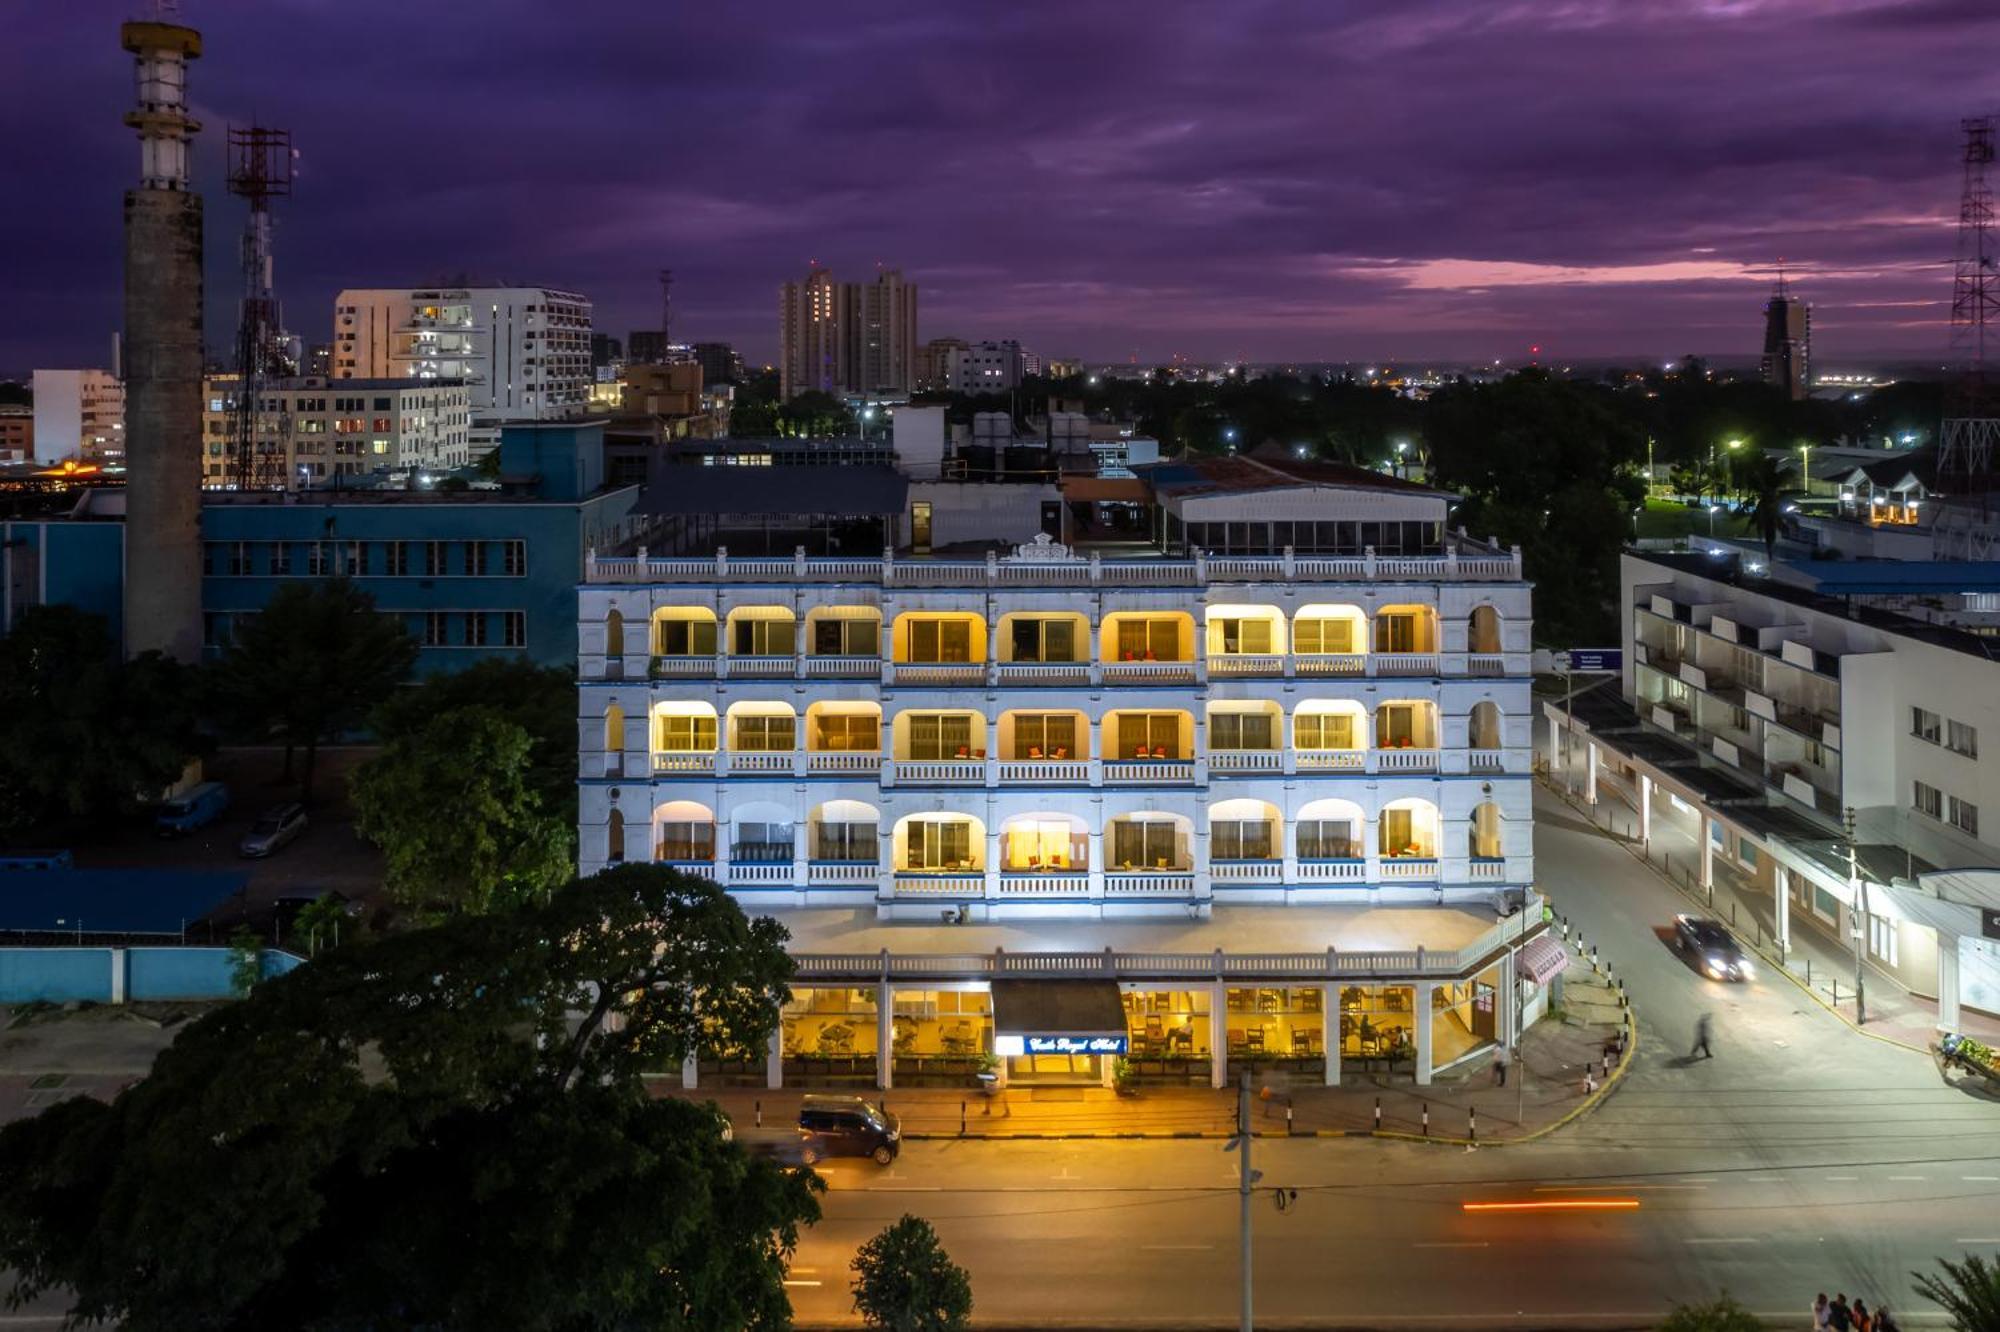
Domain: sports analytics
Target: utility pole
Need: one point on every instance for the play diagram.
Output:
(1858, 896)
(1247, 1180)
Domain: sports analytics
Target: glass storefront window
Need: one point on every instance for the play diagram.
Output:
(1167, 1024)
(1377, 1022)
(830, 1026)
(1276, 1023)
(943, 1024)
(1464, 1017)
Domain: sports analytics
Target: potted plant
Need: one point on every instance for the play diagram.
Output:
(1124, 1079)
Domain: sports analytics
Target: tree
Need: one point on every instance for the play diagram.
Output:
(1969, 1292)
(496, 845)
(1759, 478)
(311, 665)
(419, 1131)
(539, 699)
(904, 1281)
(1721, 1314)
(86, 735)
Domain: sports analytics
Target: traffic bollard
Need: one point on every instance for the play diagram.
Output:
(1589, 1083)
(759, 1108)
(1288, 1121)
(1427, 1119)
(1378, 1114)
(1472, 1123)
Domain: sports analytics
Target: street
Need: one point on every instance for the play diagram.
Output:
(1804, 1156)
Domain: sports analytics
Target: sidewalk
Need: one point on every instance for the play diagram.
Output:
(1461, 1103)
(1817, 961)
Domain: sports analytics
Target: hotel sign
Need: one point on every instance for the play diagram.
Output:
(1073, 1045)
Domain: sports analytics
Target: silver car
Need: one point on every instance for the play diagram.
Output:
(271, 831)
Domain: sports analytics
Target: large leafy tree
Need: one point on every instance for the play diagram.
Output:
(904, 1281)
(497, 844)
(444, 1129)
(1761, 480)
(539, 699)
(310, 665)
(82, 733)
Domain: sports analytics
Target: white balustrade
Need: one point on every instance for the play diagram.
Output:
(1042, 673)
(843, 668)
(1233, 665)
(1333, 871)
(1148, 672)
(1486, 871)
(1149, 772)
(938, 673)
(1245, 760)
(1043, 885)
(684, 763)
(1486, 760)
(1406, 760)
(1330, 760)
(738, 761)
(1044, 772)
(682, 668)
(831, 872)
(844, 761)
(759, 873)
(1246, 871)
(948, 772)
(760, 668)
(1403, 663)
(1402, 869)
(1148, 883)
(911, 884)
(1330, 664)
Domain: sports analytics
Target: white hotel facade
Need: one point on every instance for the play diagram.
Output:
(1077, 755)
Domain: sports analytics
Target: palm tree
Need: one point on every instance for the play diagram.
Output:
(1759, 478)
(1968, 1291)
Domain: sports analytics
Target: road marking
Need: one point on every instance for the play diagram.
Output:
(1177, 1248)
(1697, 1179)
(907, 1188)
(1981, 1179)
(1843, 1179)
(1906, 1179)
(1976, 1241)
(1619, 1188)
(1743, 1240)
(1455, 1244)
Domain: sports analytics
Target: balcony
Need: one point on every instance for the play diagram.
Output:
(758, 668)
(1404, 869)
(1223, 666)
(942, 884)
(1044, 772)
(756, 873)
(938, 673)
(683, 668)
(826, 763)
(1464, 560)
(783, 761)
(934, 772)
(1029, 673)
(1149, 672)
(1245, 761)
(1486, 760)
(1044, 884)
(1403, 663)
(682, 765)
(1127, 884)
(1486, 869)
(1406, 760)
(843, 668)
(1485, 664)
(1333, 871)
(1246, 871)
(838, 873)
(1330, 664)
(1149, 772)
(1330, 760)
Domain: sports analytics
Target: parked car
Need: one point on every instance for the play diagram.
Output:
(1712, 947)
(273, 830)
(848, 1126)
(196, 807)
(37, 860)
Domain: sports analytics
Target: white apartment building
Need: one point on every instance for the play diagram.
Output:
(522, 353)
(79, 416)
(309, 431)
(985, 367)
(1757, 713)
(922, 766)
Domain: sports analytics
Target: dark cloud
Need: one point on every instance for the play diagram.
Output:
(1266, 178)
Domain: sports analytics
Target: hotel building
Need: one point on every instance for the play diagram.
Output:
(1205, 802)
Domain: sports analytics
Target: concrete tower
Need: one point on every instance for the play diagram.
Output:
(163, 352)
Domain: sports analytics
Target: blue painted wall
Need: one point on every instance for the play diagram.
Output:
(65, 975)
(62, 563)
(55, 975)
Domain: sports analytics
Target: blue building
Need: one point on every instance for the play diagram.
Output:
(473, 573)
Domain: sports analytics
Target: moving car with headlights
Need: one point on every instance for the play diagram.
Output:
(848, 1126)
(1712, 948)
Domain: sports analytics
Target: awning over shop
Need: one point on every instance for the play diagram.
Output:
(1542, 959)
(1058, 1017)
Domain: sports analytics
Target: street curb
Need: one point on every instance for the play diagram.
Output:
(1734, 932)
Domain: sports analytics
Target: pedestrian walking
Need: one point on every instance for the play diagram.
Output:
(1838, 1316)
(1501, 1058)
(1819, 1313)
(1885, 1323)
(1862, 1322)
(1703, 1028)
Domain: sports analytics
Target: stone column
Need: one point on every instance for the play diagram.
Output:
(885, 1035)
(1424, 991)
(1218, 1035)
(1782, 901)
(1590, 771)
(1704, 829)
(690, 1073)
(1645, 811)
(1329, 1031)
(1947, 974)
(1506, 1011)
(117, 975)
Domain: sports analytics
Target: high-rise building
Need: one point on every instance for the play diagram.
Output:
(934, 364)
(79, 416)
(523, 353)
(17, 434)
(848, 337)
(988, 367)
(1787, 342)
(604, 350)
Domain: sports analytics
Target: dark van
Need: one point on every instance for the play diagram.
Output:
(847, 1126)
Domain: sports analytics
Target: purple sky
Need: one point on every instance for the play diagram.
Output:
(1311, 180)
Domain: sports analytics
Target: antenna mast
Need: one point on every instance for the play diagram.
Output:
(260, 170)
(1966, 440)
(666, 312)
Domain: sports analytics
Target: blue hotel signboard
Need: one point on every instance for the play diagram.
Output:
(1073, 1045)
(1591, 661)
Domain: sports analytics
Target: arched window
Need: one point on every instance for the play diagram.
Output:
(614, 730)
(1484, 729)
(1483, 630)
(1044, 842)
(1149, 840)
(1483, 832)
(684, 833)
(1409, 828)
(614, 851)
(845, 832)
(1243, 830)
(1328, 830)
(614, 633)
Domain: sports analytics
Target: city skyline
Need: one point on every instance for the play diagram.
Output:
(1269, 183)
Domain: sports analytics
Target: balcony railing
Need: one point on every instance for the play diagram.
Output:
(1406, 760)
(1400, 869)
(1042, 673)
(926, 772)
(979, 770)
(843, 668)
(1486, 760)
(830, 873)
(1043, 884)
(684, 764)
(1147, 672)
(1148, 883)
(1246, 871)
(1486, 869)
(1044, 772)
(1075, 674)
(1333, 871)
(1334, 663)
(1463, 560)
(1149, 772)
(1330, 760)
(951, 673)
(1245, 760)
(1223, 665)
(959, 884)
(826, 762)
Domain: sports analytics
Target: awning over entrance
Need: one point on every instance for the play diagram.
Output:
(1058, 1017)
(1542, 959)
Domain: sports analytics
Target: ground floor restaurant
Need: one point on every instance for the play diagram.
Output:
(1075, 1031)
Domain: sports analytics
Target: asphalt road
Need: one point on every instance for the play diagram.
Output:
(1803, 1156)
